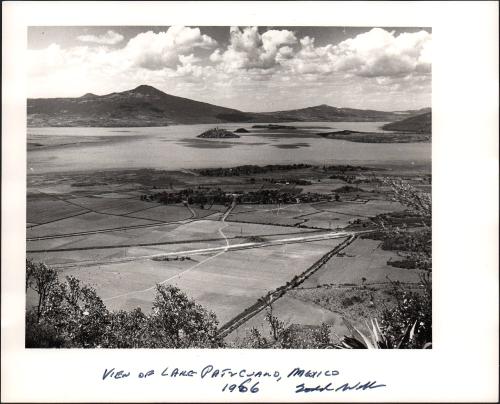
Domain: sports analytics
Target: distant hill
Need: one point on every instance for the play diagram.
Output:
(148, 106)
(142, 106)
(417, 124)
(412, 112)
(326, 113)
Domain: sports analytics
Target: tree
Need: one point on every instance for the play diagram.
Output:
(127, 329)
(406, 194)
(41, 279)
(78, 314)
(179, 322)
(277, 326)
(66, 314)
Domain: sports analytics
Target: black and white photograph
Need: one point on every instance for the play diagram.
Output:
(229, 187)
(250, 201)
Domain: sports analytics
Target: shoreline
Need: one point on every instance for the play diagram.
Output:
(378, 165)
(87, 141)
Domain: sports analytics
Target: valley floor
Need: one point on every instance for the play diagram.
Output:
(97, 227)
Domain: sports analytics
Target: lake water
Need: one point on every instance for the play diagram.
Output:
(177, 147)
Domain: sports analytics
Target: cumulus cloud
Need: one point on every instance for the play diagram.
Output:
(273, 39)
(248, 49)
(379, 53)
(155, 51)
(109, 38)
(310, 59)
(285, 52)
(189, 59)
(191, 70)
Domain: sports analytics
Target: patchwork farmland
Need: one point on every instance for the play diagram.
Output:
(224, 253)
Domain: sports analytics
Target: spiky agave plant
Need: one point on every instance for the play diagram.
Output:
(375, 339)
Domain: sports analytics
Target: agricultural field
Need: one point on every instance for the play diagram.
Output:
(87, 222)
(171, 213)
(225, 282)
(113, 206)
(48, 209)
(264, 217)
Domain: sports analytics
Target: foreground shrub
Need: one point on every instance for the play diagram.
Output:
(41, 335)
(376, 338)
(285, 336)
(412, 307)
(69, 314)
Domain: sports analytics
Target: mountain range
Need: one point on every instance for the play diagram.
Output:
(148, 106)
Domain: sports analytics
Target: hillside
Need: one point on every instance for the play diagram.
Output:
(417, 124)
(142, 106)
(148, 106)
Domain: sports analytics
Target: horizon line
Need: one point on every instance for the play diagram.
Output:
(205, 102)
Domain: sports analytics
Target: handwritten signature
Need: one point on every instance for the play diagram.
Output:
(301, 388)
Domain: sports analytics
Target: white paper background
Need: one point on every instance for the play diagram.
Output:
(463, 366)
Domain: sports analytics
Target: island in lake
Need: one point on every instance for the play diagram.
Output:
(376, 137)
(273, 126)
(218, 133)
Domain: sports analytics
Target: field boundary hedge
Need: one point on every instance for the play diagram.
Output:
(271, 297)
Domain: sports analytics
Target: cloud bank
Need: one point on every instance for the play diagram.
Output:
(109, 38)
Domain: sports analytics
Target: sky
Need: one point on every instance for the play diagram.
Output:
(248, 68)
